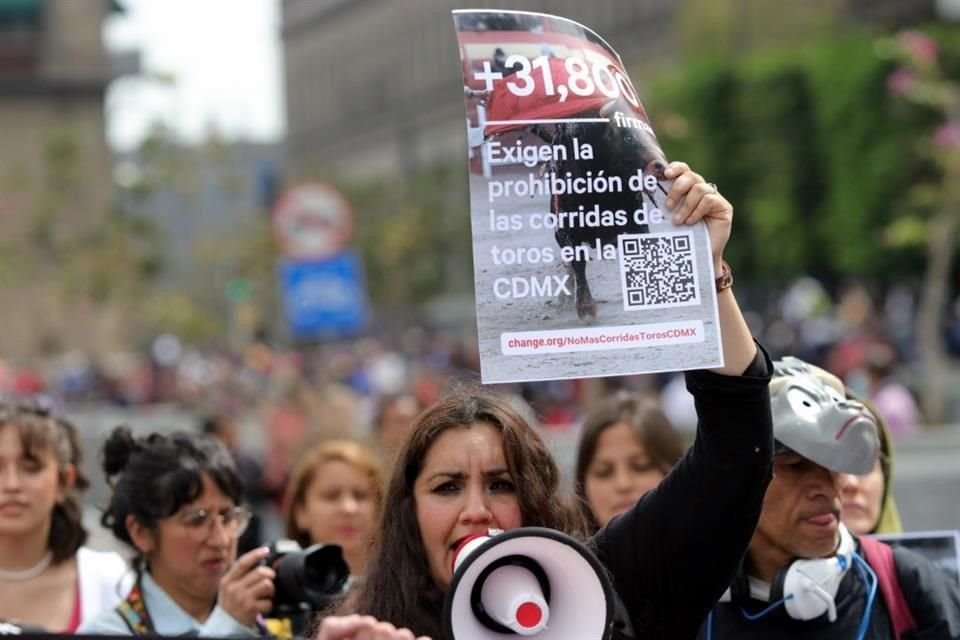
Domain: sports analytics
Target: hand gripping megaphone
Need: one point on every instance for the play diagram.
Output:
(531, 582)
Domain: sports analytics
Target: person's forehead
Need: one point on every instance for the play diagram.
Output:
(32, 441)
(619, 437)
(462, 445)
(210, 496)
(790, 457)
(338, 472)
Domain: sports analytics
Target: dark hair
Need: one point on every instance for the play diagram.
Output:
(42, 432)
(648, 423)
(154, 476)
(211, 424)
(398, 557)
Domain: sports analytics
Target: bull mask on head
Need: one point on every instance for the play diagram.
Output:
(812, 417)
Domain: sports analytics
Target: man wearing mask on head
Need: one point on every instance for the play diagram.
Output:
(804, 574)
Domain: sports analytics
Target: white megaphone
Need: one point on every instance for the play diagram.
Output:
(533, 582)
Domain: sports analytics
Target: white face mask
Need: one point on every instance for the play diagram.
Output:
(807, 587)
(810, 586)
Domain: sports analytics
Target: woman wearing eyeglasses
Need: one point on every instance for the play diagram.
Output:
(176, 500)
(48, 578)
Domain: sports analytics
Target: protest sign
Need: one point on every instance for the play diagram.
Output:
(579, 269)
(942, 548)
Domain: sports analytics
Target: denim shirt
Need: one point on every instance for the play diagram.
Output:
(168, 618)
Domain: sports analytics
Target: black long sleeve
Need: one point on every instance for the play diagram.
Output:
(674, 553)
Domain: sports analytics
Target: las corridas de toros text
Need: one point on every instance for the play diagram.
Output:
(550, 183)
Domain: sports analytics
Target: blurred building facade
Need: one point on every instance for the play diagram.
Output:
(217, 191)
(53, 75)
(55, 167)
(207, 205)
(371, 84)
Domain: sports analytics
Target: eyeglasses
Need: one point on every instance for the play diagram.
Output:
(200, 522)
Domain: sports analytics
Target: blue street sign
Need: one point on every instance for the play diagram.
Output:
(324, 299)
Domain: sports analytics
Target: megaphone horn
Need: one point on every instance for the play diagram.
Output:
(512, 594)
(534, 582)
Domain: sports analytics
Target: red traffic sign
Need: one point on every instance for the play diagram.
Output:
(312, 221)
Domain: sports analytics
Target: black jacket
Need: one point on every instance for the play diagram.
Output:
(932, 595)
(673, 554)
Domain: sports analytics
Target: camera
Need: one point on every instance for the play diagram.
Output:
(307, 580)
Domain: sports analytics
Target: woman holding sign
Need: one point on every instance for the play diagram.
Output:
(471, 463)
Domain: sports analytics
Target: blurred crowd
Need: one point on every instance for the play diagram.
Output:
(346, 388)
(193, 509)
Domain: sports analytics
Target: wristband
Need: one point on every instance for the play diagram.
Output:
(725, 279)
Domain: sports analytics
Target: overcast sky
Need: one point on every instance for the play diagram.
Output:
(223, 62)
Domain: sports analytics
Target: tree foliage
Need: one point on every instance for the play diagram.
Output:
(414, 236)
(816, 155)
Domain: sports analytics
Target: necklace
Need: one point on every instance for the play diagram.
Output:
(27, 574)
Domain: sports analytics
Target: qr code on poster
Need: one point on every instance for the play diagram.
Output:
(658, 270)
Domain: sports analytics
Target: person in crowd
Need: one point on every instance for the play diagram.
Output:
(255, 493)
(627, 447)
(48, 578)
(805, 574)
(334, 497)
(177, 501)
(394, 415)
(472, 463)
(867, 500)
(891, 398)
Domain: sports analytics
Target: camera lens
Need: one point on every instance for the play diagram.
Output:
(325, 570)
(308, 577)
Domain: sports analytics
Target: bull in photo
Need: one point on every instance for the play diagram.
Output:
(622, 147)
